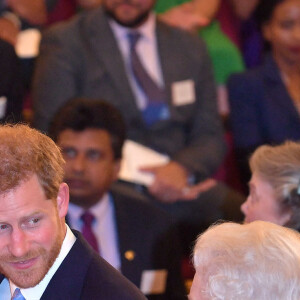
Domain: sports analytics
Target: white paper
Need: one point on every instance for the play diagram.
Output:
(154, 281)
(3, 104)
(28, 43)
(183, 92)
(136, 156)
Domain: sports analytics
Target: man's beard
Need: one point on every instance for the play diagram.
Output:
(33, 276)
(139, 20)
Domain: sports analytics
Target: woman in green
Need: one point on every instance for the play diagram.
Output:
(225, 56)
(199, 15)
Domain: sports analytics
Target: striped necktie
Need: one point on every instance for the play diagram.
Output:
(17, 295)
(155, 95)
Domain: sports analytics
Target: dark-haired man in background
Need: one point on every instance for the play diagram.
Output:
(132, 235)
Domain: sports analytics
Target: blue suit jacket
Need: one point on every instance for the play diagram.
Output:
(83, 275)
(262, 111)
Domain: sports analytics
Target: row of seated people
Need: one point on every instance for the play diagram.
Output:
(192, 15)
(188, 130)
(240, 90)
(80, 92)
(261, 129)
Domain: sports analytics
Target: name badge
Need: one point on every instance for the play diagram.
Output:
(3, 104)
(183, 92)
(154, 281)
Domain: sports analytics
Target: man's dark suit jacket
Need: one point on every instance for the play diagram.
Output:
(147, 235)
(150, 234)
(81, 58)
(262, 111)
(83, 275)
(10, 82)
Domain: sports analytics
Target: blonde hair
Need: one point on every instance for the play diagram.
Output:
(280, 167)
(259, 260)
(24, 152)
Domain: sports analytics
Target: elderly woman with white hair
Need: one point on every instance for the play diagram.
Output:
(257, 261)
(275, 185)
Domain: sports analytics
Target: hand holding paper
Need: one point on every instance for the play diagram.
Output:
(136, 156)
(166, 180)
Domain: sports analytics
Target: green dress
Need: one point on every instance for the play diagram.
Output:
(226, 57)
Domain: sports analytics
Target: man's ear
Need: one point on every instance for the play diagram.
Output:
(63, 200)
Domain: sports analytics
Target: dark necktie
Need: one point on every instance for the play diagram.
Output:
(17, 295)
(87, 231)
(155, 95)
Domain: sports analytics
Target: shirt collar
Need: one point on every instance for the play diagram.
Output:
(37, 291)
(147, 30)
(98, 210)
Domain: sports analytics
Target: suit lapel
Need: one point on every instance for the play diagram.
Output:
(168, 69)
(68, 281)
(130, 265)
(109, 55)
(277, 91)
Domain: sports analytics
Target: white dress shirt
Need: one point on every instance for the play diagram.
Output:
(7, 287)
(104, 228)
(148, 53)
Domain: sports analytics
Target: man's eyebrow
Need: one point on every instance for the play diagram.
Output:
(30, 215)
(34, 214)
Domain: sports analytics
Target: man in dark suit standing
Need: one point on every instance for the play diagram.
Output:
(40, 257)
(161, 80)
(131, 234)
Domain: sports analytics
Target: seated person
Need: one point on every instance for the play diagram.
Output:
(275, 185)
(258, 261)
(133, 236)
(41, 257)
(11, 92)
(265, 101)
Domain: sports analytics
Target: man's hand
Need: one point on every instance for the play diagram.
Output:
(184, 16)
(169, 181)
(193, 191)
(8, 31)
